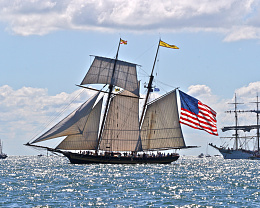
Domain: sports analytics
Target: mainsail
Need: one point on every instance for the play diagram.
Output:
(73, 124)
(101, 72)
(121, 131)
(161, 128)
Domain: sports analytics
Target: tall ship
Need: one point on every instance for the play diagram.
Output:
(241, 148)
(108, 129)
(2, 155)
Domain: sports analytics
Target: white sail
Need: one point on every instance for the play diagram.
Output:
(1, 146)
(161, 128)
(88, 140)
(101, 72)
(73, 124)
(121, 131)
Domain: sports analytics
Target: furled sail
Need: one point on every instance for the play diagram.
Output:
(101, 72)
(121, 131)
(73, 124)
(161, 128)
(88, 140)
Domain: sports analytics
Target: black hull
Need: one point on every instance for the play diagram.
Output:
(88, 159)
(3, 156)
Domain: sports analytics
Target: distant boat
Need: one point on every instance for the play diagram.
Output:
(2, 155)
(117, 136)
(201, 155)
(240, 151)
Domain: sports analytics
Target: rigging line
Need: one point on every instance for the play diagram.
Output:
(139, 56)
(59, 114)
(146, 74)
(165, 84)
(110, 51)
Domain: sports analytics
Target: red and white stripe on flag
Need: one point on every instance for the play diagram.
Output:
(204, 120)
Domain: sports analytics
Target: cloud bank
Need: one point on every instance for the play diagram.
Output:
(235, 19)
(25, 112)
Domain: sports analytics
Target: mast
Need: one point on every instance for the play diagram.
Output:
(111, 86)
(149, 87)
(248, 127)
(257, 123)
(236, 121)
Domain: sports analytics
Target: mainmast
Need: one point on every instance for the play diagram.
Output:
(110, 87)
(257, 122)
(149, 87)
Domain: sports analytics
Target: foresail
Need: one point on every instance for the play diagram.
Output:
(161, 128)
(88, 140)
(121, 131)
(73, 124)
(101, 70)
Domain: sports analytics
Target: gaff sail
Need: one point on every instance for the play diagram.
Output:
(161, 128)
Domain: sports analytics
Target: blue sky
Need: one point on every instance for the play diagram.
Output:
(45, 48)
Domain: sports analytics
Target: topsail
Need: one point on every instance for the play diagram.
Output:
(101, 72)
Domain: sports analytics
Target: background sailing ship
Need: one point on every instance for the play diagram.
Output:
(2, 155)
(240, 148)
(119, 135)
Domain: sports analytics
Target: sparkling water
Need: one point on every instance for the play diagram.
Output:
(32, 181)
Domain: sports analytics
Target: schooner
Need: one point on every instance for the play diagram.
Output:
(119, 135)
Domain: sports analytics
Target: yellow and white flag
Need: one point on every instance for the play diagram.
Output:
(167, 45)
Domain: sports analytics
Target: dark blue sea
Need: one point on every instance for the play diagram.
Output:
(32, 181)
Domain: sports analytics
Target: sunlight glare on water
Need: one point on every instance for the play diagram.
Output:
(31, 181)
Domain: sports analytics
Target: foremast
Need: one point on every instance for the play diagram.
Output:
(236, 121)
(110, 87)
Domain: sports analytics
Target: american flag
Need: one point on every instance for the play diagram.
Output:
(197, 115)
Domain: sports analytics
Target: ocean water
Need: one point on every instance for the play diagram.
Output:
(31, 181)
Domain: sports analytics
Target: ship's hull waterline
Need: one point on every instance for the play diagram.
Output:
(236, 154)
(76, 158)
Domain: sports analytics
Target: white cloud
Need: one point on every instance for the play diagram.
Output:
(199, 90)
(243, 33)
(26, 111)
(236, 19)
(249, 92)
